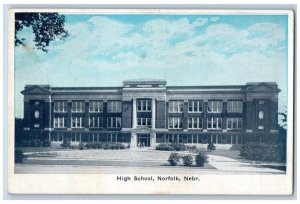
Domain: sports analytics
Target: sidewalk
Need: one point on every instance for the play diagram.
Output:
(226, 164)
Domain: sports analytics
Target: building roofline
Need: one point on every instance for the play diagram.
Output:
(248, 87)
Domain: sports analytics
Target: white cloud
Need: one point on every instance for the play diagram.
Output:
(214, 19)
(266, 34)
(107, 48)
(200, 22)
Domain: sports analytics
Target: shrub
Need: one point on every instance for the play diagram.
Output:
(264, 152)
(120, 146)
(74, 146)
(179, 147)
(105, 146)
(211, 147)
(187, 160)
(192, 148)
(35, 143)
(81, 146)
(201, 159)
(174, 159)
(46, 143)
(164, 147)
(19, 156)
(66, 143)
(89, 145)
(96, 145)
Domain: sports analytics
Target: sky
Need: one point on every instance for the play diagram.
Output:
(104, 50)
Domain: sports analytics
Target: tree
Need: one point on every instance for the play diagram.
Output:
(46, 27)
(282, 128)
(284, 117)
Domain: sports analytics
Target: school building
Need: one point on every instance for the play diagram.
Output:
(149, 112)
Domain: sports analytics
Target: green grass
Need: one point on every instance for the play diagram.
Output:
(233, 154)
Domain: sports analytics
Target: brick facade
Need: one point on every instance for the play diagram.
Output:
(199, 124)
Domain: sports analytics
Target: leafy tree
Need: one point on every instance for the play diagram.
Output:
(46, 28)
(282, 131)
(284, 117)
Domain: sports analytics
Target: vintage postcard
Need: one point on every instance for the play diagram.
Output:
(151, 101)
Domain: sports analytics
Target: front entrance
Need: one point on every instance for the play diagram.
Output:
(143, 140)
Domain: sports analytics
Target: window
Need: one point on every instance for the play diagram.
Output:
(114, 106)
(195, 123)
(215, 106)
(261, 115)
(60, 106)
(114, 122)
(96, 106)
(175, 123)
(78, 106)
(195, 106)
(214, 123)
(59, 122)
(144, 105)
(234, 123)
(176, 106)
(96, 122)
(235, 106)
(146, 122)
(77, 122)
(57, 137)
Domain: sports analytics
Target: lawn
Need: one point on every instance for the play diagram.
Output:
(233, 154)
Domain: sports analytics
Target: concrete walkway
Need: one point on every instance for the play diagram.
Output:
(225, 164)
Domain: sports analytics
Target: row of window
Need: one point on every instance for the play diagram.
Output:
(233, 106)
(212, 123)
(94, 122)
(90, 137)
(173, 122)
(160, 138)
(198, 139)
(94, 106)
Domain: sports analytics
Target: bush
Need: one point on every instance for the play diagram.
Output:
(110, 146)
(211, 147)
(264, 152)
(66, 143)
(97, 145)
(164, 147)
(46, 143)
(179, 147)
(36, 143)
(174, 159)
(201, 159)
(172, 147)
(81, 146)
(187, 160)
(74, 146)
(192, 148)
(19, 156)
(89, 145)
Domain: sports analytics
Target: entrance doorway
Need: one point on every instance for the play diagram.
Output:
(143, 140)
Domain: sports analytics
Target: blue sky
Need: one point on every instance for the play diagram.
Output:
(104, 50)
